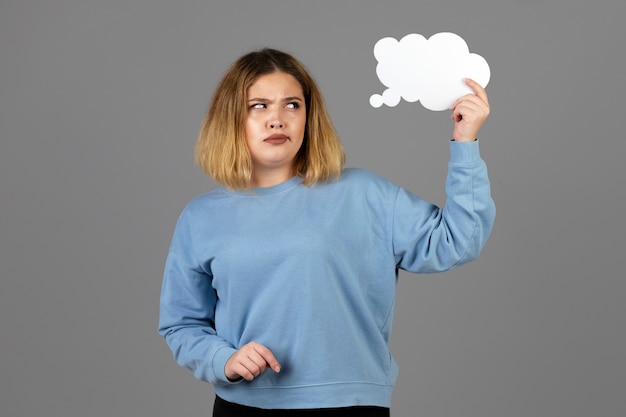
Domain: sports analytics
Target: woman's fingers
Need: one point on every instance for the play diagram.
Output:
(250, 361)
(469, 113)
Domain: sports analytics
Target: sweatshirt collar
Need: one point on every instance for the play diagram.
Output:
(279, 188)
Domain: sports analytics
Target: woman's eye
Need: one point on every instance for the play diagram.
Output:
(293, 105)
(257, 106)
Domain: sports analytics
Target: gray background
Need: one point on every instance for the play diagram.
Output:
(100, 104)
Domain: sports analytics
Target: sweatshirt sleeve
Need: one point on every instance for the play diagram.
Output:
(187, 311)
(427, 238)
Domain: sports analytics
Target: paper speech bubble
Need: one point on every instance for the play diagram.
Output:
(429, 70)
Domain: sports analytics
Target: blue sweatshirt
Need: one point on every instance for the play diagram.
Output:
(310, 272)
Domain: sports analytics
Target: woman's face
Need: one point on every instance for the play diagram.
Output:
(274, 126)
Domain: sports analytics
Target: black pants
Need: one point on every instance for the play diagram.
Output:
(223, 408)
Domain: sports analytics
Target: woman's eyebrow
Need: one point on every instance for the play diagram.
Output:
(265, 100)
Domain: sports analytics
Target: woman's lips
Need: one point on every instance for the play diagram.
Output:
(276, 139)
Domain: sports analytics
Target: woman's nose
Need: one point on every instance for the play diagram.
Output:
(275, 124)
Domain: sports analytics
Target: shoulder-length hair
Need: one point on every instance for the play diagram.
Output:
(221, 150)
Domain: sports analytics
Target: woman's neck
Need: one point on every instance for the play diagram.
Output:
(270, 178)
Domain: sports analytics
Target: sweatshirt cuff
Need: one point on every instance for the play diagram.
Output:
(464, 152)
(219, 363)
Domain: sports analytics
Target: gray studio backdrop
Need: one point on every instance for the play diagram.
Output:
(100, 104)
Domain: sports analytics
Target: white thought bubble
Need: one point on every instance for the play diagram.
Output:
(429, 70)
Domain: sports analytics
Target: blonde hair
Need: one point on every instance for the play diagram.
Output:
(221, 150)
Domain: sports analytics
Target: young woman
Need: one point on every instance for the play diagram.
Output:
(279, 287)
